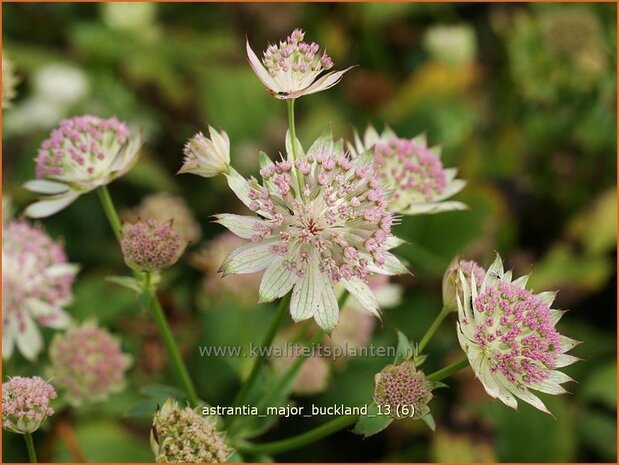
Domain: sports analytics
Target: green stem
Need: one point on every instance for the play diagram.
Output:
(32, 454)
(433, 327)
(110, 210)
(449, 370)
(293, 143)
(173, 352)
(301, 440)
(153, 303)
(268, 340)
(291, 127)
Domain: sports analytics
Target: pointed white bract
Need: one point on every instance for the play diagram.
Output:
(83, 153)
(320, 220)
(293, 68)
(36, 285)
(411, 171)
(451, 280)
(205, 156)
(508, 334)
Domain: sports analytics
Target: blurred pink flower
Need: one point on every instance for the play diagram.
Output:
(36, 285)
(411, 172)
(87, 363)
(83, 153)
(25, 403)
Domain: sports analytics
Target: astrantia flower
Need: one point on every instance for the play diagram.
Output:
(83, 153)
(509, 336)
(25, 403)
(182, 435)
(402, 391)
(322, 220)
(451, 280)
(151, 246)
(412, 172)
(163, 208)
(87, 363)
(207, 157)
(36, 285)
(9, 81)
(292, 68)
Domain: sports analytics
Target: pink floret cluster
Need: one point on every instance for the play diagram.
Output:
(408, 166)
(524, 326)
(150, 246)
(80, 143)
(295, 55)
(25, 403)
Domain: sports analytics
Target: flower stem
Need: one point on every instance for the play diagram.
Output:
(433, 327)
(110, 210)
(293, 143)
(301, 440)
(32, 454)
(449, 370)
(291, 127)
(268, 340)
(153, 303)
(173, 352)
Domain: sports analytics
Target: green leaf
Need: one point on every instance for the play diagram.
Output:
(373, 423)
(126, 282)
(404, 350)
(429, 420)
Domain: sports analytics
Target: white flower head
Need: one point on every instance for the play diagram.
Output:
(293, 68)
(83, 153)
(451, 280)
(25, 403)
(508, 334)
(183, 435)
(321, 220)
(207, 157)
(36, 285)
(411, 171)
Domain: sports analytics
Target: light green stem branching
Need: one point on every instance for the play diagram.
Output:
(153, 304)
(433, 327)
(449, 370)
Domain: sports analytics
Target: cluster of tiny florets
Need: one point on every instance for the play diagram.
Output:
(35, 275)
(25, 403)
(182, 435)
(150, 246)
(403, 385)
(406, 166)
(340, 214)
(83, 147)
(87, 363)
(519, 329)
(295, 55)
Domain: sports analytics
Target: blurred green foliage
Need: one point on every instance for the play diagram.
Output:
(521, 97)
